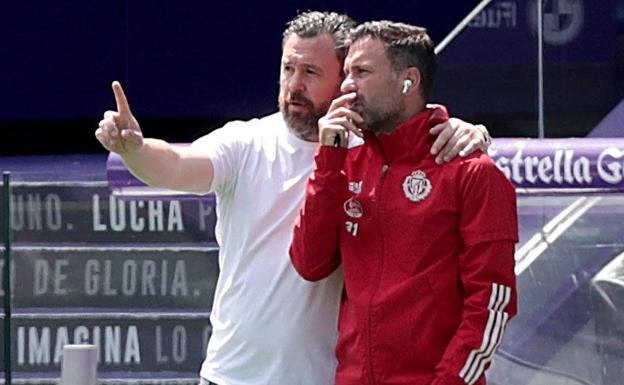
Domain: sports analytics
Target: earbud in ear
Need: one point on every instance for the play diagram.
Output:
(407, 83)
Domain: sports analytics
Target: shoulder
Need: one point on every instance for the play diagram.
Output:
(474, 163)
(254, 125)
(245, 131)
(476, 167)
(479, 171)
(478, 159)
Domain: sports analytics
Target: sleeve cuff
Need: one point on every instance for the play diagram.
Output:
(446, 379)
(330, 158)
(486, 134)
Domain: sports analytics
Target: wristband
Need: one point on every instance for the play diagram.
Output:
(486, 134)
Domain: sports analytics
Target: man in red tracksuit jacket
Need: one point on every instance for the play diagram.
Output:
(427, 250)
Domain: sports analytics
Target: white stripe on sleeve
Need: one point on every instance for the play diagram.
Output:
(492, 335)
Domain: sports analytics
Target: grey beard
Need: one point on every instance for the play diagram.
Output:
(305, 128)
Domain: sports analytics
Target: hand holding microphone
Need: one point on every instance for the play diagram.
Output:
(335, 126)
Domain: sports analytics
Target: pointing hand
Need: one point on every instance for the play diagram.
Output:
(119, 131)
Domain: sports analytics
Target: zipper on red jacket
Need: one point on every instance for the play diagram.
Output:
(371, 375)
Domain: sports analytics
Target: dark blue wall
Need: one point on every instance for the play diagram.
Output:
(176, 59)
(189, 66)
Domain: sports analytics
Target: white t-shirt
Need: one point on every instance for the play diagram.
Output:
(270, 326)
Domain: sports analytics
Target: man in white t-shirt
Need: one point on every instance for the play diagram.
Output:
(270, 326)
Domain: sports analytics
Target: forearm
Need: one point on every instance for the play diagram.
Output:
(489, 303)
(315, 246)
(161, 164)
(314, 249)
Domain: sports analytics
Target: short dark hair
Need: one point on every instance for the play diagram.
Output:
(406, 46)
(313, 23)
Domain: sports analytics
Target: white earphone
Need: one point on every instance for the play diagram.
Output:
(407, 83)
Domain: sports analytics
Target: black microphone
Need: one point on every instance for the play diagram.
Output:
(337, 140)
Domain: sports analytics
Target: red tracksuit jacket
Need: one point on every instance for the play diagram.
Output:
(427, 252)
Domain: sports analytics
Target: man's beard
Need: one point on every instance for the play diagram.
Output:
(303, 124)
(381, 118)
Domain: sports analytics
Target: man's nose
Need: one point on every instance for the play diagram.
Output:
(348, 85)
(295, 83)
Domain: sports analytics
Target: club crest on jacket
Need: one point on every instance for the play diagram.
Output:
(416, 186)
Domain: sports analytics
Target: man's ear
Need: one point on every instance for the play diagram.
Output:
(412, 77)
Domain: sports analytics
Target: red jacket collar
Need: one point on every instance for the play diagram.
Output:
(411, 138)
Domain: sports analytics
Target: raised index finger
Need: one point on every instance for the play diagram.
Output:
(120, 98)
